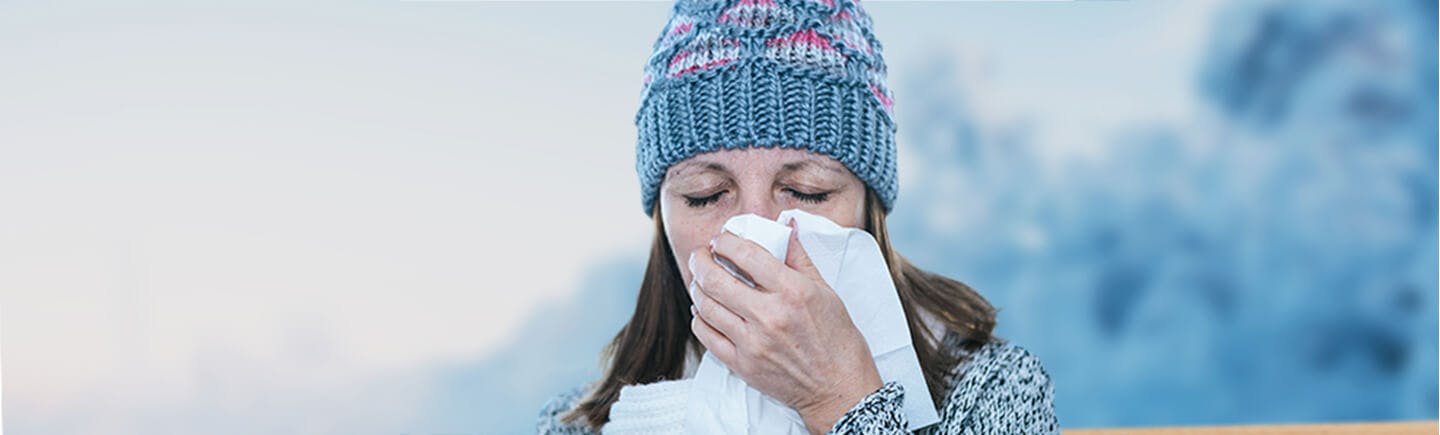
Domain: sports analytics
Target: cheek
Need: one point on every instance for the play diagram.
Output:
(686, 238)
(847, 212)
(682, 251)
(681, 256)
(859, 214)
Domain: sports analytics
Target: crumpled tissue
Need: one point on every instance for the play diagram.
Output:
(717, 401)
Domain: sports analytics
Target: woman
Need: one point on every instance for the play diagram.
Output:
(758, 106)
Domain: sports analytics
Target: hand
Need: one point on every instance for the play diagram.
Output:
(789, 337)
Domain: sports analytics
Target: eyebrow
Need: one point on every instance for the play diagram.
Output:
(786, 168)
(704, 165)
(795, 166)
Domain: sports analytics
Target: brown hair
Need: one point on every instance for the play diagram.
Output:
(652, 346)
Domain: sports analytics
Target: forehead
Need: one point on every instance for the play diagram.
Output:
(758, 158)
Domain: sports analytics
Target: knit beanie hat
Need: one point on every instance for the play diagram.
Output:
(802, 74)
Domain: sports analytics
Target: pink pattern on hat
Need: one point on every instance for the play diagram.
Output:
(806, 47)
(848, 32)
(705, 52)
(884, 99)
(679, 26)
(756, 13)
(807, 36)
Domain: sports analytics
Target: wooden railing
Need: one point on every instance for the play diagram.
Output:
(1384, 428)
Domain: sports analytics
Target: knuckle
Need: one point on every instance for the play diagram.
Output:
(707, 282)
(699, 331)
(762, 343)
(774, 323)
(806, 295)
(696, 261)
(706, 311)
(792, 298)
(781, 324)
(747, 256)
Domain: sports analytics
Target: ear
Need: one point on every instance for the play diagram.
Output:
(795, 255)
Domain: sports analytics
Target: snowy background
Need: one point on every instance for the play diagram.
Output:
(421, 217)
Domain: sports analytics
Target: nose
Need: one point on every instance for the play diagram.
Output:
(760, 203)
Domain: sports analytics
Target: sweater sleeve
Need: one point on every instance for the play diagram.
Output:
(1002, 389)
(878, 413)
(548, 422)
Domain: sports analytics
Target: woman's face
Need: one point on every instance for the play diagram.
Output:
(700, 193)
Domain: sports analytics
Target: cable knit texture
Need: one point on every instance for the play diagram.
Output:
(805, 74)
(655, 408)
(1001, 388)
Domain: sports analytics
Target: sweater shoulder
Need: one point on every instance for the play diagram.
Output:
(999, 358)
(998, 385)
(549, 419)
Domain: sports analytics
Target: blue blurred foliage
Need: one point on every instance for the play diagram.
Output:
(1274, 260)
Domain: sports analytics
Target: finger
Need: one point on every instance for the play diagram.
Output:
(722, 288)
(693, 291)
(796, 257)
(694, 285)
(719, 317)
(697, 274)
(713, 340)
(756, 262)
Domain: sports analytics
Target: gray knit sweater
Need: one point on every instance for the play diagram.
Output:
(1001, 388)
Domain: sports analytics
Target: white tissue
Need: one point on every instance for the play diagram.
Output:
(765, 232)
(717, 401)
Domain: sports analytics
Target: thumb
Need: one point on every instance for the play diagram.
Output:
(795, 255)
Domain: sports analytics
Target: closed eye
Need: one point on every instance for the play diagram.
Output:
(815, 198)
(810, 197)
(701, 202)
